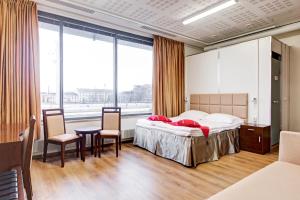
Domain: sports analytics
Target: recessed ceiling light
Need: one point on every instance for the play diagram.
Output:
(210, 11)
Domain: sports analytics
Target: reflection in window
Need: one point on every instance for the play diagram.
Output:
(49, 65)
(88, 72)
(134, 77)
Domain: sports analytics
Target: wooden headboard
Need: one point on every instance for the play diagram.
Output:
(233, 104)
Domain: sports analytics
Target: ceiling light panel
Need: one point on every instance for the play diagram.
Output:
(210, 11)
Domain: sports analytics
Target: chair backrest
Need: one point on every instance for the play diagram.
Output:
(54, 122)
(27, 156)
(111, 118)
(28, 144)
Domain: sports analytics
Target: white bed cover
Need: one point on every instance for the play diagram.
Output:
(214, 127)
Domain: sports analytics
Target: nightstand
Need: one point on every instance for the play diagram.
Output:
(255, 138)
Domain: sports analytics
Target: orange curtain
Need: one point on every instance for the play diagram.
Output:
(19, 62)
(168, 77)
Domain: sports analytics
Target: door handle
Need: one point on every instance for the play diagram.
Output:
(275, 102)
(259, 139)
(251, 129)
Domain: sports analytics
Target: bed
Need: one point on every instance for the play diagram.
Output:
(189, 146)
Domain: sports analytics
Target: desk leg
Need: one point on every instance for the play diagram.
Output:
(83, 146)
(92, 143)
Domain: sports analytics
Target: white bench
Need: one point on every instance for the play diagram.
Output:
(278, 181)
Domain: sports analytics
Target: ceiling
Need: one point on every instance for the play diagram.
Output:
(164, 17)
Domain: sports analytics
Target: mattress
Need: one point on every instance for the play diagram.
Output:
(214, 127)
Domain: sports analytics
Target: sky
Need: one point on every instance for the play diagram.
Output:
(88, 62)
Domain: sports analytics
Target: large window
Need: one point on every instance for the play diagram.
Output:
(49, 62)
(85, 67)
(134, 77)
(88, 72)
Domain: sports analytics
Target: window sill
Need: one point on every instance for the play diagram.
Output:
(94, 118)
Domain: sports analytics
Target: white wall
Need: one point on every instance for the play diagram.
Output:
(234, 69)
(239, 73)
(204, 63)
(264, 100)
(201, 73)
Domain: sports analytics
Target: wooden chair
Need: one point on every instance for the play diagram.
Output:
(55, 133)
(27, 156)
(111, 128)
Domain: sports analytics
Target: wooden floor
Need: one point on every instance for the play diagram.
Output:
(138, 174)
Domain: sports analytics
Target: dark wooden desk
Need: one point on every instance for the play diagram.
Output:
(11, 142)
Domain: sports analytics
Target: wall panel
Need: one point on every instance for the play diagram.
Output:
(239, 73)
(201, 73)
(264, 101)
(293, 40)
(241, 68)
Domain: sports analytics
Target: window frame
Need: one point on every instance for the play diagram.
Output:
(62, 22)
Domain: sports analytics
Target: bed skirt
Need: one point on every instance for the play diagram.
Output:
(189, 151)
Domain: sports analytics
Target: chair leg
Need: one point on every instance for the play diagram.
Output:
(27, 184)
(45, 151)
(117, 146)
(29, 196)
(120, 141)
(92, 144)
(62, 155)
(102, 145)
(77, 149)
(96, 146)
(82, 151)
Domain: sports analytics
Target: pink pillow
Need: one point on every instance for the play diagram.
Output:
(192, 124)
(159, 118)
(188, 123)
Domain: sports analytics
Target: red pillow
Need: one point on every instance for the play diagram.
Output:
(188, 123)
(159, 118)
